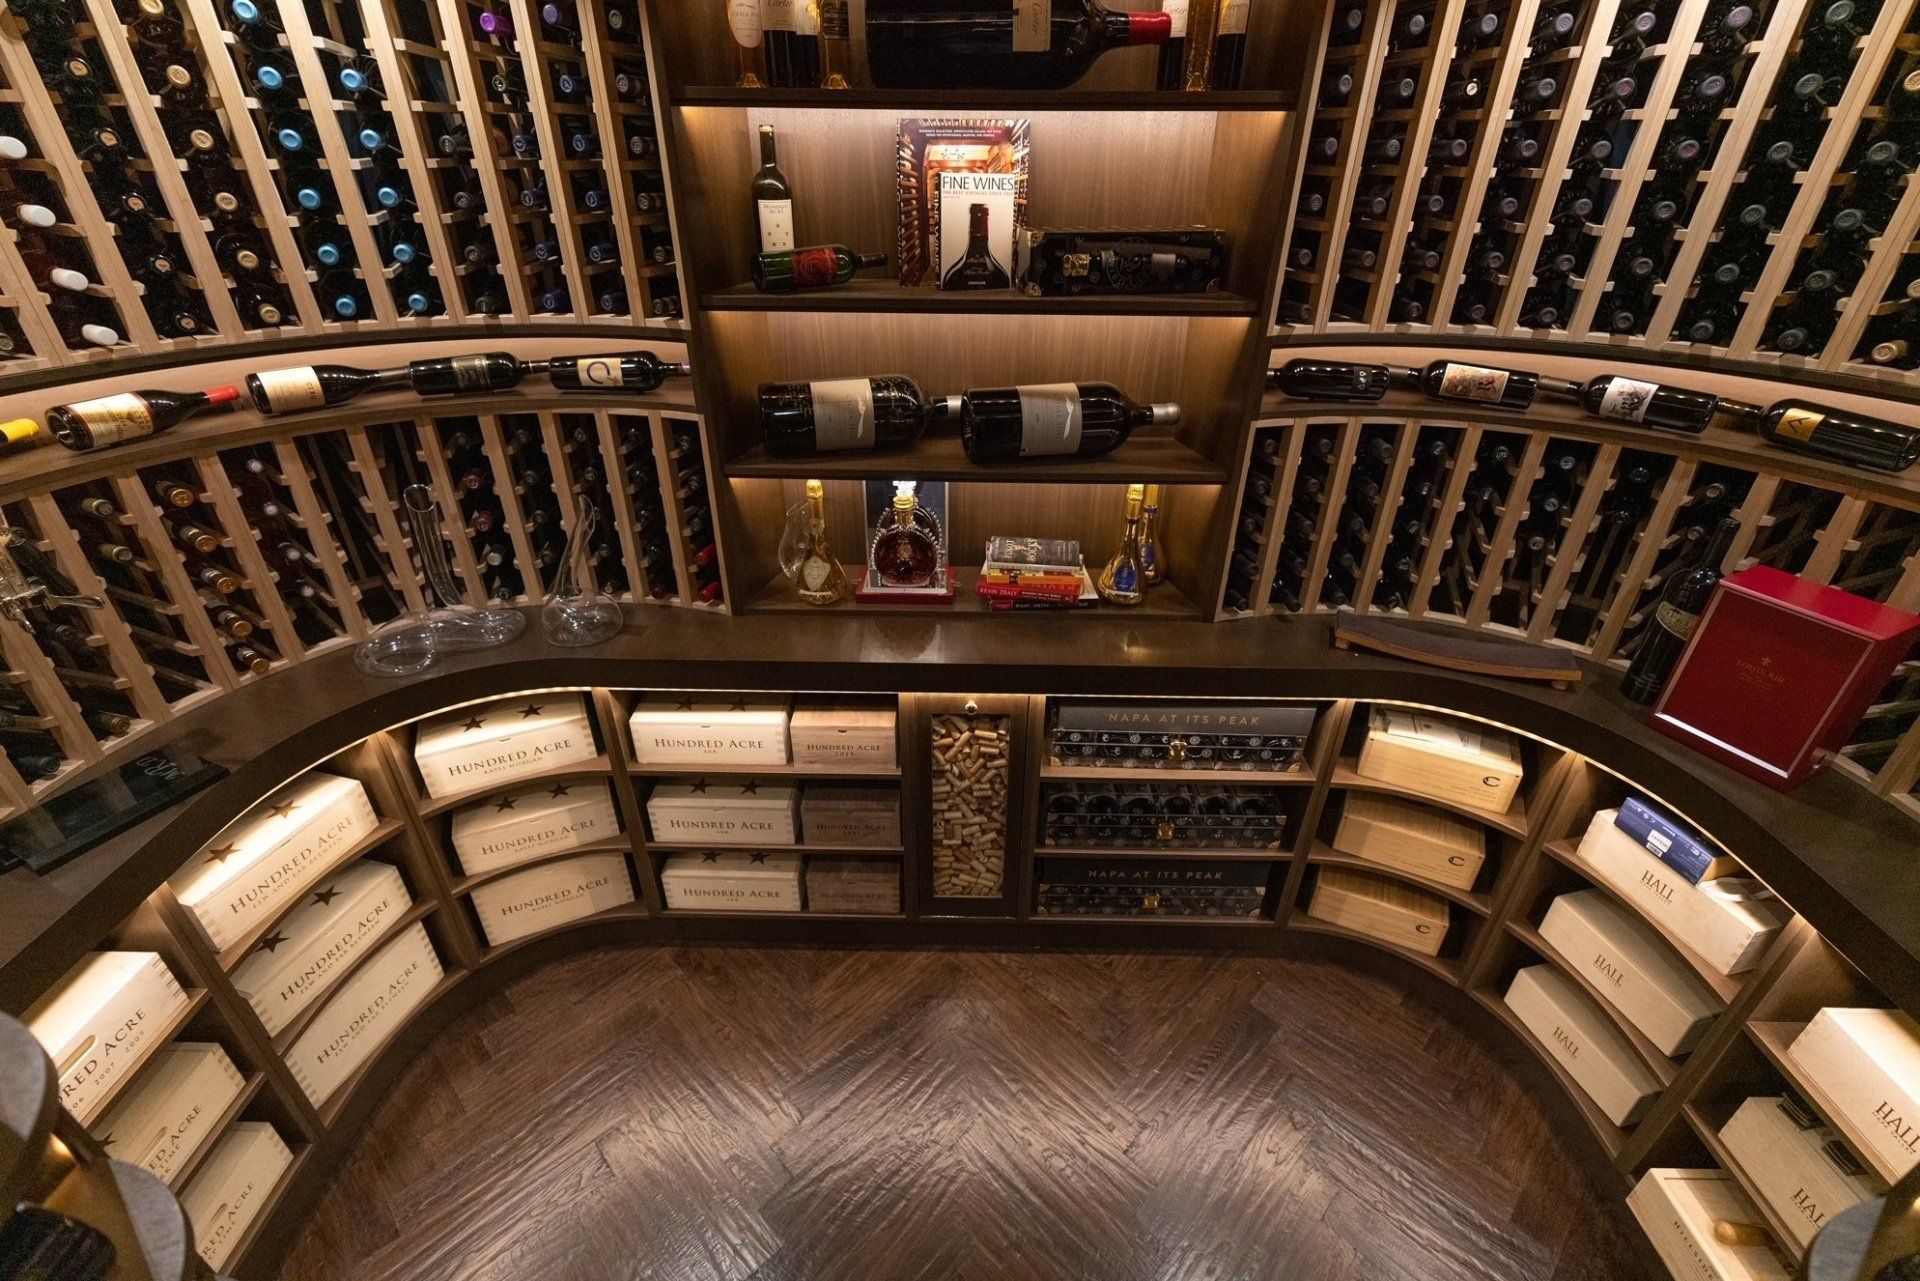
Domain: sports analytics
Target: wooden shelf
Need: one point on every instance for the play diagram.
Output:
(992, 101)
(336, 1102)
(1664, 1066)
(1215, 922)
(1513, 822)
(1773, 1040)
(1611, 1136)
(1726, 986)
(160, 1040)
(1163, 601)
(237, 951)
(1177, 852)
(283, 1039)
(431, 806)
(467, 884)
(1707, 1120)
(1146, 459)
(1325, 855)
(248, 1090)
(635, 910)
(1441, 968)
(1175, 774)
(878, 292)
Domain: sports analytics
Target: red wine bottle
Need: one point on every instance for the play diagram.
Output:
(1481, 385)
(284, 391)
(130, 415)
(1001, 423)
(1629, 400)
(624, 371)
(886, 412)
(1681, 601)
(1330, 380)
(1845, 437)
(992, 44)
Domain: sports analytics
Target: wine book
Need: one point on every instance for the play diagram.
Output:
(363, 1012)
(1673, 844)
(1450, 760)
(732, 881)
(843, 731)
(724, 811)
(259, 864)
(171, 1109)
(1381, 908)
(230, 1190)
(485, 744)
(532, 822)
(1641, 976)
(100, 1020)
(1867, 1062)
(342, 917)
(1412, 837)
(1678, 1209)
(1583, 1040)
(1801, 1168)
(709, 729)
(929, 149)
(551, 894)
(977, 212)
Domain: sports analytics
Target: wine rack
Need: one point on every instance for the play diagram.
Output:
(690, 508)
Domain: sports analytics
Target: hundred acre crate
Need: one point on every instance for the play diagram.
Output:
(1413, 838)
(1151, 887)
(724, 811)
(1868, 1064)
(1449, 760)
(867, 885)
(1224, 736)
(483, 744)
(169, 1112)
(1584, 1041)
(732, 881)
(533, 822)
(343, 917)
(231, 1188)
(1679, 1208)
(358, 1017)
(100, 1020)
(551, 894)
(1805, 1172)
(709, 729)
(850, 815)
(837, 732)
(1634, 968)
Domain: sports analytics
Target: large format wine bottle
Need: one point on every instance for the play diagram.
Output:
(1681, 601)
(623, 371)
(999, 423)
(815, 267)
(285, 391)
(1629, 400)
(130, 415)
(1330, 380)
(844, 413)
(1480, 385)
(998, 44)
(1845, 437)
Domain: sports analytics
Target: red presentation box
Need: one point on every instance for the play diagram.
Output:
(1779, 672)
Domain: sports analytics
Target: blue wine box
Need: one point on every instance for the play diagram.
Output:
(1669, 843)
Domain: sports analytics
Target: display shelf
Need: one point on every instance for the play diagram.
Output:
(877, 293)
(288, 1178)
(1513, 822)
(433, 806)
(1163, 601)
(467, 884)
(1173, 774)
(237, 951)
(991, 101)
(1175, 851)
(1727, 986)
(1612, 1137)
(160, 1040)
(249, 1090)
(1143, 459)
(1323, 854)
(1773, 1038)
(838, 851)
(1262, 922)
(336, 1103)
(642, 770)
(1442, 968)
(1664, 1066)
(283, 1039)
(490, 952)
(1706, 1121)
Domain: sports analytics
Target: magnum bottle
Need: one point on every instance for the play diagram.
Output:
(885, 412)
(626, 371)
(816, 267)
(1845, 437)
(1001, 423)
(114, 420)
(1629, 400)
(285, 391)
(1331, 380)
(987, 44)
(1482, 385)
(1681, 601)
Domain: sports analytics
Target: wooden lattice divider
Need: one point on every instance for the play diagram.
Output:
(318, 525)
(63, 544)
(503, 208)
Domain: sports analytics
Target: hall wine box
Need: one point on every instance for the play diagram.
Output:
(843, 733)
(1678, 1210)
(172, 1109)
(1867, 1062)
(483, 744)
(1380, 908)
(1413, 838)
(1632, 965)
(532, 822)
(852, 815)
(1805, 1172)
(232, 1187)
(360, 1015)
(724, 811)
(732, 881)
(709, 729)
(100, 1020)
(264, 859)
(1727, 922)
(551, 894)
(865, 885)
(342, 918)
(1584, 1041)
(1449, 760)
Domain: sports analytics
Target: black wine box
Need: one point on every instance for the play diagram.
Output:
(1183, 260)
(1152, 873)
(1141, 900)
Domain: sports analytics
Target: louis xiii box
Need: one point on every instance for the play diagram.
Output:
(1678, 1210)
(870, 885)
(358, 1017)
(1380, 908)
(551, 894)
(1805, 1173)
(171, 1109)
(709, 729)
(1450, 760)
(100, 1020)
(267, 856)
(1640, 975)
(732, 881)
(487, 743)
(231, 1189)
(1728, 922)
(842, 732)
(1412, 837)
(851, 815)
(1584, 1041)
(532, 822)
(724, 811)
(340, 919)
(1867, 1062)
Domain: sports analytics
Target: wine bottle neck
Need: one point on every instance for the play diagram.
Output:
(1137, 28)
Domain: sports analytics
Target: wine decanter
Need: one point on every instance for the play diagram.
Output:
(576, 614)
(456, 624)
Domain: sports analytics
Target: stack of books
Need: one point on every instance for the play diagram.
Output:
(1035, 573)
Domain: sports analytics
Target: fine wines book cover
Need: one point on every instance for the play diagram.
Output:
(930, 149)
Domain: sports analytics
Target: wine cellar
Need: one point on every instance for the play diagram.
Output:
(1427, 488)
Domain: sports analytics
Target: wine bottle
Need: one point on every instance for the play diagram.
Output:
(988, 44)
(977, 268)
(1674, 617)
(772, 199)
(1002, 423)
(817, 267)
(1123, 580)
(283, 391)
(1845, 437)
(116, 419)
(1629, 400)
(1331, 380)
(626, 371)
(885, 412)
(1480, 385)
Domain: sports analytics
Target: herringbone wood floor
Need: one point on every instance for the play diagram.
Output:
(708, 1114)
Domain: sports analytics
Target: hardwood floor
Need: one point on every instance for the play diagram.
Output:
(722, 1114)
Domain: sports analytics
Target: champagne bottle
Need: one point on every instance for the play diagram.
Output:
(986, 44)
(817, 267)
(820, 579)
(885, 412)
(284, 391)
(1123, 581)
(1002, 423)
(116, 419)
(1331, 380)
(635, 371)
(1629, 400)
(772, 199)
(1845, 437)
(1681, 601)
(1480, 385)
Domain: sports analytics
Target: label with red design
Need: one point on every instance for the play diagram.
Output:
(1472, 382)
(814, 266)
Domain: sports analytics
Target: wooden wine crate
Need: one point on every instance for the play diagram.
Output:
(1867, 1061)
(1642, 977)
(171, 1110)
(99, 1021)
(732, 881)
(843, 732)
(485, 744)
(1802, 1168)
(359, 1016)
(1679, 1208)
(1580, 1036)
(1436, 756)
(551, 894)
(1413, 838)
(345, 915)
(533, 822)
(1381, 908)
(228, 1192)
(714, 729)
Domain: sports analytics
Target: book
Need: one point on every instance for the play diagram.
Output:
(1673, 845)
(930, 148)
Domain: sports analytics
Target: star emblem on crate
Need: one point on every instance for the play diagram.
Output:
(711, 856)
(284, 810)
(684, 705)
(531, 710)
(221, 853)
(756, 858)
(472, 723)
(750, 788)
(561, 789)
(698, 785)
(326, 896)
(737, 705)
(272, 941)
(505, 803)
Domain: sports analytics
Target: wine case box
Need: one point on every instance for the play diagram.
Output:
(724, 811)
(867, 885)
(715, 730)
(533, 822)
(358, 1017)
(1678, 1210)
(1584, 1041)
(1178, 260)
(343, 917)
(1727, 923)
(551, 894)
(1442, 758)
(1798, 1165)
(484, 744)
(843, 733)
(1642, 977)
(1413, 838)
(265, 858)
(1868, 1064)
(1381, 909)
(1778, 673)
(732, 881)
(850, 815)
(100, 1020)
(171, 1109)
(230, 1190)
(1118, 899)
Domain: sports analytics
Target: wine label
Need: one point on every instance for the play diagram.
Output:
(835, 21)
(842, 414)
(806, 18)
(1799, 424)
(814, 573)
(743, 17)
(1674, 619)
(1233, 18)
(813, 268)
(114, 419)
(776, 225)
(777, 15)
(1472, 382)
(289, 389)
(1032, 26)
(1626, 400)
(1049, 419)
(1176, 11)
(599, 371)
(470, 373)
